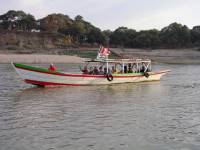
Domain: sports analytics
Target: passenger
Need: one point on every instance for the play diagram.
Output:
(85, 70)
(118, 68)
(134, 68)
(91, 70)
(105, 70)
(52, 67)
(113, 70)
(95, 71)
(101, 70)
(125, 69)
(130, 70)
(143, 68)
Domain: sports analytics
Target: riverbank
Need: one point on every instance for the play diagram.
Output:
(38, 58)
(175, 56)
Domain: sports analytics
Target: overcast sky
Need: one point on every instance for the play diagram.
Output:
(110, 14)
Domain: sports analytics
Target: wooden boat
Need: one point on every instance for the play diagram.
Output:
(125, 71)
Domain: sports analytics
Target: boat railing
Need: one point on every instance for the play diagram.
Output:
(119, 60)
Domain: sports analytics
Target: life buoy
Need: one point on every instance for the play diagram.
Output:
(146, 74)
(109, 77)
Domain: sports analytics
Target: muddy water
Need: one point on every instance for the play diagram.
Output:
(146, 116)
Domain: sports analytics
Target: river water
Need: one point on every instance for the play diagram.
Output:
(145, 116)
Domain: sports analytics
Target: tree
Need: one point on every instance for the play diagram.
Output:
(123, 37)
(79, 31)
(95, 36)
(118, 37)
(148, 39)
(17, 20)
(130, 36)
(78, 18)
(107, 34)
(27, 22)
(175, 35)
(56, 22)
(195, 33)
(142, 40)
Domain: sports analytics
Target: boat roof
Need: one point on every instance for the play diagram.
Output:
(119, 60)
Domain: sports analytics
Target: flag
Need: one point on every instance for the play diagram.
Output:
(103, 52)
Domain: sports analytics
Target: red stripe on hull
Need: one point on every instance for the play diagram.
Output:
(42, 83)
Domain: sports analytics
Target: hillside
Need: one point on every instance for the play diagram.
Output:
(19, 30)
(31, 40)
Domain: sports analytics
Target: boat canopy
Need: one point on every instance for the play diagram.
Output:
(141, 65)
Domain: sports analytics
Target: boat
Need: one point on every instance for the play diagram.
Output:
(103, 71)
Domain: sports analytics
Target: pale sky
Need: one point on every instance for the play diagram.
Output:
(111, 14)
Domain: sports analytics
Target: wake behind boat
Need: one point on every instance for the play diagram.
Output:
(95, 72)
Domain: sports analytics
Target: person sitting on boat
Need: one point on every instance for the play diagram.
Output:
(52, 67)
(113, 70)
(134, 67)
(125, 69)
(105, 70)
(118, 68)
(95, 71)
(91, 71)
(130, 68)
(85, 70)
(101, 70)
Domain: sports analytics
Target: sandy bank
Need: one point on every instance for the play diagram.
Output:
(38, 58)
(174, 56)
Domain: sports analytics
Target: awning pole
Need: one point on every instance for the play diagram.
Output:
(107, 67)
(123, 67)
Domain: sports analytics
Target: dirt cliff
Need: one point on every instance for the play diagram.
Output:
(33, 40)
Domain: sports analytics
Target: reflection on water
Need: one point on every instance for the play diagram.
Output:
(154, 115)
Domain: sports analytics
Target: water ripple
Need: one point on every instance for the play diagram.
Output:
(157, 115)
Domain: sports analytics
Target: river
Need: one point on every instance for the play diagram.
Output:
(144, 116)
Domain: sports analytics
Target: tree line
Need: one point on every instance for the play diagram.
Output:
(78, 31)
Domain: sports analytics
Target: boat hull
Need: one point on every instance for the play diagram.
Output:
(50, 78)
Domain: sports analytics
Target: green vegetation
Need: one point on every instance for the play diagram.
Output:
(78, 32)
(19, 20)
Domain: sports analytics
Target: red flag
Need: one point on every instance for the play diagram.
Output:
(103, 51)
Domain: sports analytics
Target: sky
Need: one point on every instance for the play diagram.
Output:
(111, 14)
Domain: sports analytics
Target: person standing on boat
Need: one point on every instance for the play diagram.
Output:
(143, 68)
(52, 67)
